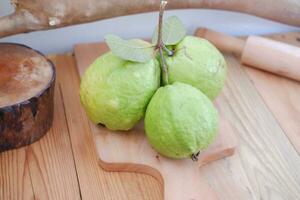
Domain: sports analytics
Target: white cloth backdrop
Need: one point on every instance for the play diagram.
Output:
(141, 25)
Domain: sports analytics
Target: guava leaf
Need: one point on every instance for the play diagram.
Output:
(173, 31)
(133, 50)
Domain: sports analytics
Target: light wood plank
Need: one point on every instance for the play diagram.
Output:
(227, 177)
(15, 183)
(281, 95)
(51, 162)
(271, 163)
(94, 182)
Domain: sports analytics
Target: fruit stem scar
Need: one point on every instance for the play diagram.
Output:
(164, 68)
(160, 45)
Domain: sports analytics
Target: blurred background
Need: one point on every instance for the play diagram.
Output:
(141, 26)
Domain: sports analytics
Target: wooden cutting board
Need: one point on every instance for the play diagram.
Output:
(130, 151)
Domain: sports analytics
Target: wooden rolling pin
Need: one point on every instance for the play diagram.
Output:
(262, 53)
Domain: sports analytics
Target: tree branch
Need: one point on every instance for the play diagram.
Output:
(45, 14)
(160, 45)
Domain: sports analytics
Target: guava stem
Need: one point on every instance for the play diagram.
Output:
(160, 45)
(164, 68)
(163, 4)
(195, 156)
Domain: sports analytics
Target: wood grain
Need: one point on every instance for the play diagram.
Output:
(270, 162)
(43, 170)
(15, 180)
(94, 182)
(228, 177)
(281, 95)
(51, 161)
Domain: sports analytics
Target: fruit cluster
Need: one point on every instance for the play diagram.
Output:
(128, 83)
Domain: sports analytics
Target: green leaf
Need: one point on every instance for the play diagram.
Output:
(173, 31)
(133, 50)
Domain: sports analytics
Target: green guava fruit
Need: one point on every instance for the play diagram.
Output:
(116, 92)
(198, 63)
(180, 121)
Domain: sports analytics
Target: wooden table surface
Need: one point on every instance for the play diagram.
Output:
(263, 109)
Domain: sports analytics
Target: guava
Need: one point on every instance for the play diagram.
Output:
(180, 121)
(198, 63)
(115, 92)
